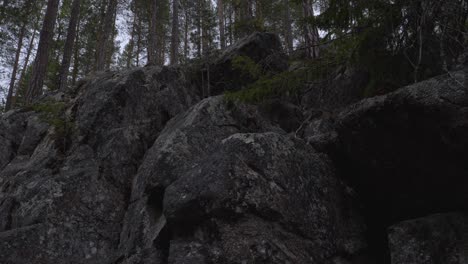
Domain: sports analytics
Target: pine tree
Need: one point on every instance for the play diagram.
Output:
(70, 41)
(40, 63)
(105, 36)
(175, 32)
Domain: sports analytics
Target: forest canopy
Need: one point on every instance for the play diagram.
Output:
(49, 45)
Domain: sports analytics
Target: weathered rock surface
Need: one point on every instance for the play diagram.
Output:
(148, 172)
(404, 153)
(407, 151)
(434, 239)
(264, 49)
(225, 196)
(69, 203)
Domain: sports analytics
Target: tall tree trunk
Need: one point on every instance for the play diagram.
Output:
(42, 56)
(204, 29)
(70, 41)
(105, 35)
(9, 98)
(231, 21)
(287, 30)
(311, 35)
(175, 32)
(132, 42)
(199, 29)
(26, 60)
(138, 51)
(161, 52)
(110, 50)
(222, 36)
(76, 53)
(186, 32)
(153, 33)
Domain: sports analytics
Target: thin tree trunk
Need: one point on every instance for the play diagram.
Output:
(26, 60)
(175, 32)
(199, 28)
(42, 57)
(311, 35)
(70, 41)
(231, 21)
(132, 42)
(105, 34)
(186, 31)
(9, 98)
(222, 36)
(287, 30)
(204, 31)
(76, 53)
(138, 51)
(153, 33)
(110, 50)
(161, 52)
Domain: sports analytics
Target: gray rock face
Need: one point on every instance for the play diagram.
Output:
(210, 191)
(137, 168)
(407, 151)
(264, 49)
(434, 239)
(69, 203)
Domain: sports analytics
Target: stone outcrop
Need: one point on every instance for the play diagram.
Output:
(69, 201)
(136, 167)
(225, 190)
(408, 149)
(265, 49)
(439, 238)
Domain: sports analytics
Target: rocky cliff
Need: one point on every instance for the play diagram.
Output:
(138, 167)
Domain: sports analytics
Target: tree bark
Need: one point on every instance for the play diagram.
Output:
(199, 28)
(231, 22)
(175, 32)
(287, 27)
(9, 98)
(132, 42)
(110, 49)
(311, 35)
(28, 55)
(105, 35)
(222, 36)
(204, 29)
(186, 32)
(42, 56)
(76, 52)
(138, 51)
(70, 41)
(153, 33)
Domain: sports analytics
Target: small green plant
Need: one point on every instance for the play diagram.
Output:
(247, 67)
(53, 113)
(285, 83)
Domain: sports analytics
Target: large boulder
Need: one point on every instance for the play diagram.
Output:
(263, 49)
(64, 192)
(211, 191)
(406, 152)
(124, 112)
(436, 239)
(262, 197)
